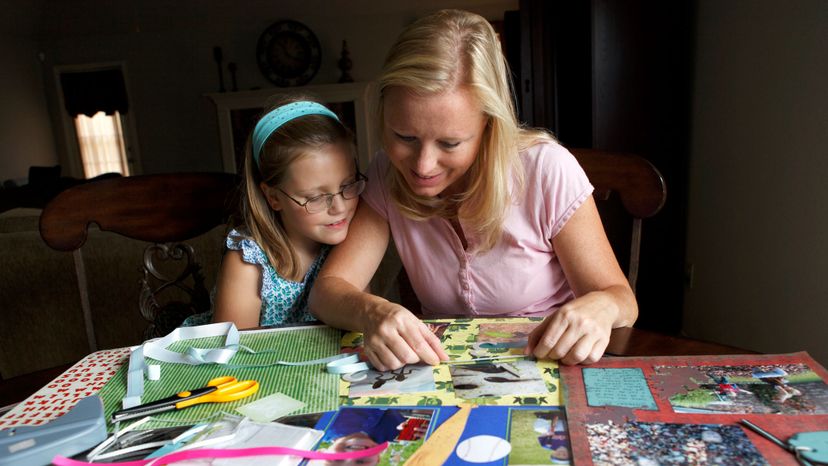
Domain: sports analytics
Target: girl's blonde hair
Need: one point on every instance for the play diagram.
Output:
(287, 144)
(436, 54)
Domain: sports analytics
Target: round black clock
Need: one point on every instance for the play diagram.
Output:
(288, 53)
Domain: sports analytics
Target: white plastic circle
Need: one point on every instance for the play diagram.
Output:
(483, 449)
(355, 376)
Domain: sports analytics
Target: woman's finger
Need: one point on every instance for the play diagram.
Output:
(398, 346)
(550, 340)
(597, 351)
(535, 336)
(435, 343)
(579, 351)
(383, 358)
(425, 345)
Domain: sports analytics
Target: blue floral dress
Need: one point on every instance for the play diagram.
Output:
(283, 301)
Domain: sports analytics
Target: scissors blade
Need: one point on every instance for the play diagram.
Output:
(123, 415)
(160, 406)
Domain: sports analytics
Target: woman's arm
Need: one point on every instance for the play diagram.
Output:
(579, 331)
(238, 287)
(393, 335)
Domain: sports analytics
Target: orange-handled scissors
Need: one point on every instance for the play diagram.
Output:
(218, 390)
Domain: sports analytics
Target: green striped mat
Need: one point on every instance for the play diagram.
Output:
(310, 384)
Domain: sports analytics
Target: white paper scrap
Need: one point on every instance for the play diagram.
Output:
(270, 408)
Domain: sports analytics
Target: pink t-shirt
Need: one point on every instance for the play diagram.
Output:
(521, 275)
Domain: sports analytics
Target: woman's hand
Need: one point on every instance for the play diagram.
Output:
(576, 333)
(394, 337)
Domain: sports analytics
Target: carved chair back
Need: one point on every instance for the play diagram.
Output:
(638, 186)
(165, 210)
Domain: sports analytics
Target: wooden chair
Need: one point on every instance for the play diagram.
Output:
(165, 210)
(639, 187)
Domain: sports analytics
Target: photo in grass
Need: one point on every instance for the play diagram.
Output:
(362, 428)
(501, 338)
(485, 380)
(654, 443)
(407, 379)
(789, 389)
(538, 437)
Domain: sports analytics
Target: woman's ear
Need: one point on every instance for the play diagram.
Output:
(271, 198)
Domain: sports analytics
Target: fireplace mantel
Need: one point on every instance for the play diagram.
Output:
(237, 113)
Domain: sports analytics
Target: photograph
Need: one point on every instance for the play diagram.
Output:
(656, 443)
(503, 336)
(407, 379)
(497, 379)
(761, 389)
(538, 437)
(356, 429)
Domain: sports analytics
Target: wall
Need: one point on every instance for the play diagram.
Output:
(168, 51)
(25, 132)
(757, 213)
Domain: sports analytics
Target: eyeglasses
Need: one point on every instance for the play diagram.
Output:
(323, 202)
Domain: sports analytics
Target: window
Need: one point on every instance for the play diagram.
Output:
(101, 143)
(100, 135)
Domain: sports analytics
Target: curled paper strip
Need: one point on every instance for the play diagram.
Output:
(233, 453)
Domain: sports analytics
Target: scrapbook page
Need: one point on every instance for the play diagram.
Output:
(486, 367)
(688, 410)
(492, 435)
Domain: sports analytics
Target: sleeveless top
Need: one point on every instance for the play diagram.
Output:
(283, 301)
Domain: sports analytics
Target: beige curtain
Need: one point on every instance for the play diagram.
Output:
(101, 143)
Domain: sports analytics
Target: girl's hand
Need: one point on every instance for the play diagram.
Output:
(395, 337)
(578, 332)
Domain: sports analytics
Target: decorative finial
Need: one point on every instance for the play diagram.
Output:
(217, 56)
(345, 64)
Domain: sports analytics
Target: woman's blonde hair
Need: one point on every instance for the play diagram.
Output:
(287, 144)
(436, 54)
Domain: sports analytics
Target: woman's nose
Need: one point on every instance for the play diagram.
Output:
(426, 160)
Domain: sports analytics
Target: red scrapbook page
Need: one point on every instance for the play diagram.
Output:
(687, 409)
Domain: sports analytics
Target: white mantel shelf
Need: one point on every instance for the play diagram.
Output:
(359, 93)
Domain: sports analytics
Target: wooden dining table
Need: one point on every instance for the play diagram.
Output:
(623, 342)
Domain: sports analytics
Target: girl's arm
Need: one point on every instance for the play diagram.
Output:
(579, 331)
(393, 335)
(237, 291)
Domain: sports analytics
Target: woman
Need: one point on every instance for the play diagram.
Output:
(490, 219)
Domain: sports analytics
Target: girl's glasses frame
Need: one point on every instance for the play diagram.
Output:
(323, 202)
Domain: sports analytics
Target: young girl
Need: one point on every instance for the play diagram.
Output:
(300, 190)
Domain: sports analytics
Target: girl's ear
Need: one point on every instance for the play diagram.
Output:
(271, 198)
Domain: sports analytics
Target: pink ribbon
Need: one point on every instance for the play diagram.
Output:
(232, 453)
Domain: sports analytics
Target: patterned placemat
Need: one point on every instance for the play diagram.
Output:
(309, 384)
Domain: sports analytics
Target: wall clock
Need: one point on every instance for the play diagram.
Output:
(288, 53)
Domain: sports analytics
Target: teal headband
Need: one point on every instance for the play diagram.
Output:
(278, 117)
